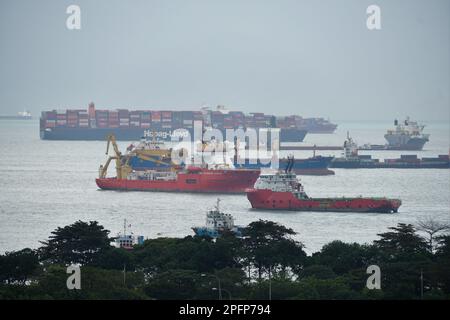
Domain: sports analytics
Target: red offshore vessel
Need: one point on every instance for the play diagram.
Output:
(193, 179)
(282, 191)
(212, 179)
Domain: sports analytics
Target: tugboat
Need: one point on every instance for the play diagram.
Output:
(282, 191)
(406, 136)
(217, 223)
(127, 241)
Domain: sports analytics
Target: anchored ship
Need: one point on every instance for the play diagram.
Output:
(154, 155)
(351, 159)
(131, 125)
(214, 179)
(217, 223)
(316, 165)
(406, 136)
(283, 191)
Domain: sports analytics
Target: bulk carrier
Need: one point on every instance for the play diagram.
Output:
(129, 125)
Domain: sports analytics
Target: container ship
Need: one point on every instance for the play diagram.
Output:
(351, 159)
(204, 179)
(130, 125)
(282, 191)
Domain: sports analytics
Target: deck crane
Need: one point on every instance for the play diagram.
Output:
(122, 166)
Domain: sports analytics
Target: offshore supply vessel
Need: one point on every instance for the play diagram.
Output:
(182, 178)
(282, 191)
(217, 223)
(352, 160)
(130, 125)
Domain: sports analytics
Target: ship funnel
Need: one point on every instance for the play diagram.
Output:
(395, 122)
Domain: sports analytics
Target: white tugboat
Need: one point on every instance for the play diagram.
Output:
(217, 223)
(127, 241)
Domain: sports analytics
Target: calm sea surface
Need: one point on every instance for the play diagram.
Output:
(46, 184)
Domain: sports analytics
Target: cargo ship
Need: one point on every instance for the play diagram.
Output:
(282, 191)
(204, 179)
(131, 125)
(149, 155)
(316, 165)
(406, 136)
(23, 115)
(352, 160)
(217, 224)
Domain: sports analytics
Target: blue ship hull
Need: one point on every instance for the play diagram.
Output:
(214, 233)
(311, 166)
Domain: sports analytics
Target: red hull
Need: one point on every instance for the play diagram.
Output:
(205, 181)
(267, 199)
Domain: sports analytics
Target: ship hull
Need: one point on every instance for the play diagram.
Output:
(403, 142)
(441, 162)
(132, 134)
(101, 134)
(206, 181)
(362, 165)
(292, 135)
(310, 166)
(269, 200)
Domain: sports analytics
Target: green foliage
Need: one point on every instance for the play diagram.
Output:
(312, 288)
(265, 260)
(342, 257)
(402, 243)
(174, 284)
(190, 253)
(318, 271)
(115, 259)
(80, 243)
(268, 247)
(18, 266)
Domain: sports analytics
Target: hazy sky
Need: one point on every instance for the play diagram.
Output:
(313, 58)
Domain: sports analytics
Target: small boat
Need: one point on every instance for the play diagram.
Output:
(217, 223)
(127, 241)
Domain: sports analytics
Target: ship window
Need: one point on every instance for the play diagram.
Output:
(191, 181)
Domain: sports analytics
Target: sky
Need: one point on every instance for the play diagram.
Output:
(305, 57)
